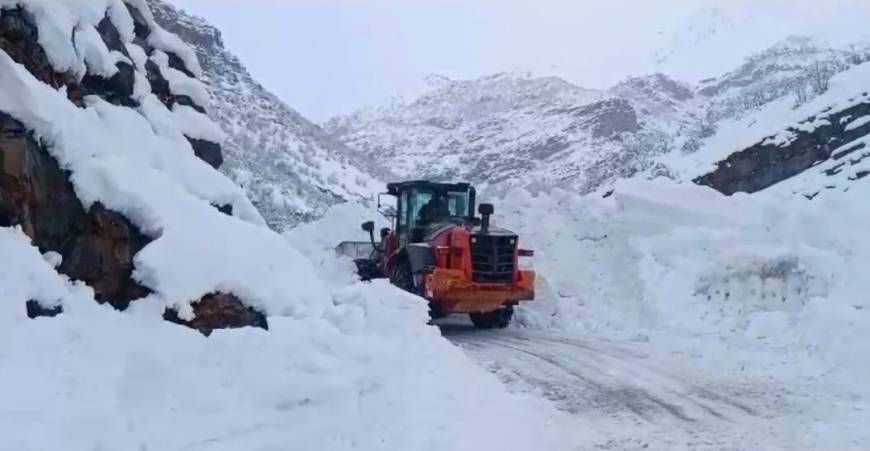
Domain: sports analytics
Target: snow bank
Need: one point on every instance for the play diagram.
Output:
(25, 275)
(367, 375)
(432, 394)
(660, 256)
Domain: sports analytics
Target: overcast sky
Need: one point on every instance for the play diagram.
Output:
(327, 57)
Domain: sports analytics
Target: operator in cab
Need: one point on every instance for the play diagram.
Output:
(435, 210)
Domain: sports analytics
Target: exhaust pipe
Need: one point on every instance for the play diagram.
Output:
(485, 210)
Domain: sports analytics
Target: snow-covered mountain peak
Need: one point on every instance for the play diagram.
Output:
(437, 81)
(470, 99)
(655, 94)
(701, 26)
(507, 127)
(458, 100)
(512, 129)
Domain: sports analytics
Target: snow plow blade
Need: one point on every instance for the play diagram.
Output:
(458, 295)
(354, 249)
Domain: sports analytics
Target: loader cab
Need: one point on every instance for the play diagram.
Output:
(423, 206)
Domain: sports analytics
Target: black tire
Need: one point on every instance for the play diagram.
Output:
(403, 278)
(496, 319)
(368, 269)
(435, 311)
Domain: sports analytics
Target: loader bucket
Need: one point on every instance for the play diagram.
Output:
(361, 253)
(354, 249)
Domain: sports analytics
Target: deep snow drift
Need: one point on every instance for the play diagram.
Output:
(662, 255)
(367, 374)
(757, 297)
(764, 287)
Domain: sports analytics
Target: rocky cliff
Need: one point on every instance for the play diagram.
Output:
(289, 167)
(121, 68)
(825, 150)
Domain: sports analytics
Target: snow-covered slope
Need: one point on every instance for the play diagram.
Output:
(287, 165)
(503, 128)
(343, 365)
(816, 147)
(514, 130)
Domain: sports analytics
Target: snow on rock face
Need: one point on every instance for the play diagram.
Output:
(824, 146)
(97, 245)
(26, 276)
(288, 166)
(135, 159)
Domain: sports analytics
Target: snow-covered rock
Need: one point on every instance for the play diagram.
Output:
(823, 150)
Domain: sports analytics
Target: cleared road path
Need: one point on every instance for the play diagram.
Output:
(633, 400)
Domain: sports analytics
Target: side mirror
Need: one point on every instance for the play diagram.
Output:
(388, 211)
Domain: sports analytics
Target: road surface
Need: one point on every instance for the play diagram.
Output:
(632, 399)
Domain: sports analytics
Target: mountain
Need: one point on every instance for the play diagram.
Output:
(826, 149)
(515, 130)
(501, 129)
(289, 167)
(700, 28)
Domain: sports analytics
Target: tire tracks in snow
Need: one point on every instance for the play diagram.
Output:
(592, 377)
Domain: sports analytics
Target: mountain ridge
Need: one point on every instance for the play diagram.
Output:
(288, 166)
(508, 130)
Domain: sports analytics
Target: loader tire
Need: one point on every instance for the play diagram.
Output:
(496, 319)
(367, 269)
(403, 278)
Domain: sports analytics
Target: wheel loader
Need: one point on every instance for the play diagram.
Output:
(438, 249)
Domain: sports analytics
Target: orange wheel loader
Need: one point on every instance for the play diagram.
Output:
(440, 250)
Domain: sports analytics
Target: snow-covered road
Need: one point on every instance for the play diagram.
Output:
(584, 375)
(639, 396)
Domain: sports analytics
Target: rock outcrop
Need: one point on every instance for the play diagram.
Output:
(98, 246)
(833, 136)
(289, 167)
(219, 311)
(19, 39)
